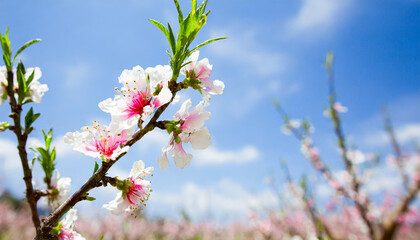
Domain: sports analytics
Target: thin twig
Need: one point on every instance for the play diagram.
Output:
(396, 147)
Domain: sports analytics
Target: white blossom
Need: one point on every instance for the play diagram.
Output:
(36, 89)
(201, 70)
(135, 192)
(191, 131)
(99, 141)
(142, 92)
(62, 185)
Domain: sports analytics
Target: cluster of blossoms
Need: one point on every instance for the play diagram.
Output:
(187, 126)
(36, 89)
(135, 111)
(143, 91)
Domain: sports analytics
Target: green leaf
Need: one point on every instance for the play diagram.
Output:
(193, 6)
(90, 198)
(44, 160)
(180, 42)
(178, 8)
(177, 139)
(4, 126)
(20, 72)
(30, 118)
(303, 182)
(172, 39)
(47, 138)
(32, 163)
(275, 103)
(57, 229)
(7, 51)
(169, 127)
(329, 60)
(164, 30)
(207, 42)
(25, 46)
(53, 154)
(177, 130)
(30, 78)
(7, 62)
(203, 8)
(95, 169)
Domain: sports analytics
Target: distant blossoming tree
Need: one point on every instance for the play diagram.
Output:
(359, 214)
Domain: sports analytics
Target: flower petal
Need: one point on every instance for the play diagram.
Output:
(163, 161)
(201, 139)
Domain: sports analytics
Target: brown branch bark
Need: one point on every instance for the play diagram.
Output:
(391, 223)
(22, 137)
(355, 184)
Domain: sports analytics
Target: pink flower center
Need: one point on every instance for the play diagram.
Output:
(197, 75)
(136, 103)
(193, 116)
(106, 145)
(136, 193)
(65, 234)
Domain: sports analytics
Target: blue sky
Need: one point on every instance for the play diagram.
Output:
(275, 49)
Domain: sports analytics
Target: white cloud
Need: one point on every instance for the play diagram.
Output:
(383, 179)
(76, 74)
(215, 156)
(118, 172)
(63, 149)
(243, 49)
(224, 199)
(154, 139)
(34, 142)
(408, 132)
(323, 191)
(9, 155)
(317, 16)
(404, 134)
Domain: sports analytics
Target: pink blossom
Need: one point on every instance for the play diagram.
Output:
(190, 123)
(337, 107)
(201, 70)
(99, 141)
(142, 92)
(66, 232)
(135, 191)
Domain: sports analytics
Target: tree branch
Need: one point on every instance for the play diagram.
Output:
(51, 221)
(16, 110)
